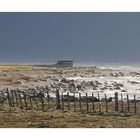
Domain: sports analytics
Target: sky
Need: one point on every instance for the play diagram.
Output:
(81, 37)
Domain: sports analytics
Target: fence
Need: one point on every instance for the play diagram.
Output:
(70, 101)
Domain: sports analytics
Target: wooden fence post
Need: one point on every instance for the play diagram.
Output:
(20, 100)
(87, 102)
(16, 99)
(116, 101)
(35, 101)
(80, 101)
(106, 104)
(30, 99)
(9, 98)
(128, 103)
(25, 101)
(93, 107)
(12, 97)
(62, 102)
(0, 104)
(48, 98)
(135, 104)
(58, 106)
(122, 102)
(99, 103)
(42, 101)
(74, 102)
(68, 100)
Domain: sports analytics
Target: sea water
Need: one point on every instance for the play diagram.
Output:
(113, 66)
(131, 83)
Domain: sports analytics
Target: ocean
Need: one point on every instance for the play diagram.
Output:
(131, 84)
(113, 66)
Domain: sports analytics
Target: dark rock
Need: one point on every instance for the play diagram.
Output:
(64, 80)
(117, 88)
(133, 82)
(123, 91)
(94, 88)
(72, 81)
(69, 97)
(121, 85)
(111, 74)
(135, 100)
(72, 86)
(79, 87)
(107, 100)
(89, 98)
(121, 73)
(103, 88)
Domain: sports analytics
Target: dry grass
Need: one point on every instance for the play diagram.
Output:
(14, 117)
(15, 67)
(59, 119)
(21, 118)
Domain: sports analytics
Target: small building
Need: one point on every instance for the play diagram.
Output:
(64, 63)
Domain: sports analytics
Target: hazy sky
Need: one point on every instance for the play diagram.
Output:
(82, 37)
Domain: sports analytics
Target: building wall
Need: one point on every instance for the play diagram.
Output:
(64, 63)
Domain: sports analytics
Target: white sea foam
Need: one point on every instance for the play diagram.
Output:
(131, 85)
(121, 67)
(115, 66)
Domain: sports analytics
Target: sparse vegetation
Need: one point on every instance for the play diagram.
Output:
(15, 67)
(58, 119)
(52, 118)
